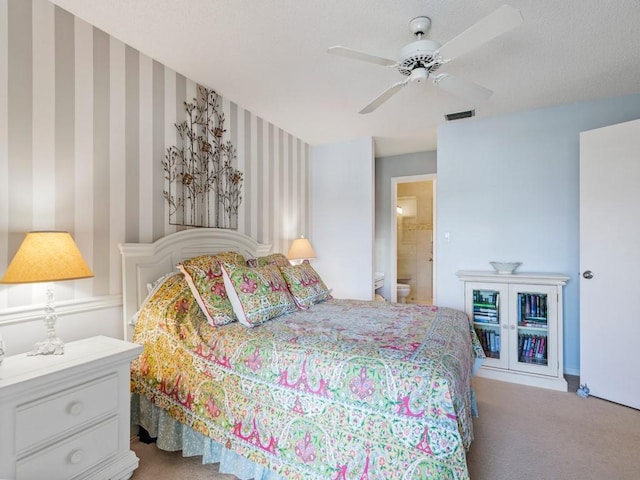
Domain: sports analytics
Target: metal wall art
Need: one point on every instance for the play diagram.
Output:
(204, 188)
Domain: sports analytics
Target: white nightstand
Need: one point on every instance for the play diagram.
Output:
(67, 416)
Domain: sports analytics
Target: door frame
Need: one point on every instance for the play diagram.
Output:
(393, 263)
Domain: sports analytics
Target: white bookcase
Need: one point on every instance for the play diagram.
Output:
(518, 319)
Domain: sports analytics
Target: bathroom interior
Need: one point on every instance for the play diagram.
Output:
(414, 242)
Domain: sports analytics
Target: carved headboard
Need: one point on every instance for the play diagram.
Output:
(143, 263)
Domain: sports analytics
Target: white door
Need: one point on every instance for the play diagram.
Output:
(610, 256)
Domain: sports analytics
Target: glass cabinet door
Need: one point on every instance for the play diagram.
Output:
(486, 319)
(484, 304)
(534, 308)
(533, 327)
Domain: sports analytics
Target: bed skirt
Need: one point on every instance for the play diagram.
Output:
(172, 436)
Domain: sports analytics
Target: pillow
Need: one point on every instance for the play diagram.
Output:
(278, 259)
(305, 284)
(152, 288)
(257, 294)
(204, 277)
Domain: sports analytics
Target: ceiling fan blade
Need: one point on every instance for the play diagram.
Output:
(462, 88)
(384, 96)
(500, 21)
(357, 55)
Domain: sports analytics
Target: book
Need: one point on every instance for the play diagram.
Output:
(490, 342)
(487, 310)
(485, 319)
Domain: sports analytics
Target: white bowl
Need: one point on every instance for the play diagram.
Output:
(505, 268)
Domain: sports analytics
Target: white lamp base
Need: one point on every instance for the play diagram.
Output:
(52, 345)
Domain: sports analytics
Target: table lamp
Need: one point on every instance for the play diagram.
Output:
(47, 257)
(301, 249)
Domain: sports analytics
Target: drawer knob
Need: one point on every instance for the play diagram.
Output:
(76, 456)
(75, 408)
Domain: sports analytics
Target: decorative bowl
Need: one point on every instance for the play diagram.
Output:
(505, 268)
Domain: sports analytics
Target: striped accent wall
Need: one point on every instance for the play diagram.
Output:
(84, 124)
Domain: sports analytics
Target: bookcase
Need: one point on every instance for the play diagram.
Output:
(518, 320)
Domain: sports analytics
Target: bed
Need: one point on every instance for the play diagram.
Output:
(331, 389)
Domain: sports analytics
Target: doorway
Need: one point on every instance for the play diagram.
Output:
(412, 237)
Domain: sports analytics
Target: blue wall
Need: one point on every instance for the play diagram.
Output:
(508, 190)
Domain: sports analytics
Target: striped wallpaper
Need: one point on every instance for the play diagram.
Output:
(84, 124)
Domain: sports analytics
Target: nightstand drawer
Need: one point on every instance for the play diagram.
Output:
(72, 456)
(63, 411)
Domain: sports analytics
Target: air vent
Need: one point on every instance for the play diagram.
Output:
(458, 115)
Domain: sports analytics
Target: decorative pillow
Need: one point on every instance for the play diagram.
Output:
(152, 288)
(305, 284)
(257, 294)
(278, 259)
(204, 277)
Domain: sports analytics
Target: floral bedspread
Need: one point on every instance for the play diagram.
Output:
(345, 390)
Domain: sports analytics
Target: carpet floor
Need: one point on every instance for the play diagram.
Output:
(521, 433)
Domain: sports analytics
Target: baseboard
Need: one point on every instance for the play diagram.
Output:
(552, 383)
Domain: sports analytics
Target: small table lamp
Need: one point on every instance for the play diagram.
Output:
(301, 249)
(47, 257)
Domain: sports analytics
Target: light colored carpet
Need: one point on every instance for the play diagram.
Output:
(526, 433)
(156, 464)
(521, 433)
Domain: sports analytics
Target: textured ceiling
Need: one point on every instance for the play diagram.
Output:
(269, 57)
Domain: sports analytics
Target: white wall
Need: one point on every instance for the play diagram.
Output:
(508, 190)
(342, 206)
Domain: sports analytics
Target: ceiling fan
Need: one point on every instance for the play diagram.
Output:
(421, 58)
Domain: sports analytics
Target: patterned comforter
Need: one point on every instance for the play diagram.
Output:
(344, 390)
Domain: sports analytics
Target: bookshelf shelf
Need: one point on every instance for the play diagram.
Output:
(518, 320)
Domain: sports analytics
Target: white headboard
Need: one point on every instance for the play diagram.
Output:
(143, 263)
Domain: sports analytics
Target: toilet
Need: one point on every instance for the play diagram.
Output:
(403, 289)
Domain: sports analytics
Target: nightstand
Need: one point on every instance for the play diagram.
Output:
(67, 416)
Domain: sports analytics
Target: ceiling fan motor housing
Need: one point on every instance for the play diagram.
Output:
(419, 54)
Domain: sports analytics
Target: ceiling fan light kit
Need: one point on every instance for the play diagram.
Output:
(421, 58)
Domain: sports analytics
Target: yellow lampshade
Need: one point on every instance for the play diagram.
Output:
(47, 257)
(301, 249)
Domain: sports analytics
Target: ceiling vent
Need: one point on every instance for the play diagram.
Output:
(458, 115)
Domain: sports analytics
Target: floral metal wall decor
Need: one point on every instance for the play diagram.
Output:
(204, 188)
